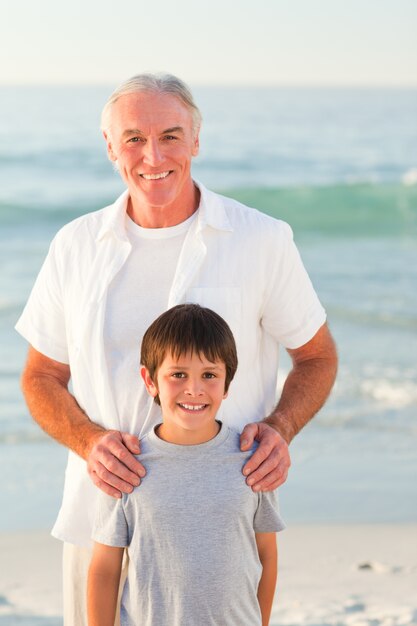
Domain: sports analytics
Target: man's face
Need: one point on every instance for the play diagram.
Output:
(191, 389)
(151, 138)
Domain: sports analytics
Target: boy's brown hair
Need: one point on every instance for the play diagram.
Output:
(189, 328)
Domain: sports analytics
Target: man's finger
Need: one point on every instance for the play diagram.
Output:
(113, 464)
(258, 457)
(270, 463)
(107, 489)
(272, 480)
(131, 442)
(248, 435)
(119, 469)
(112, 445)
(119, 450)
(112, 477)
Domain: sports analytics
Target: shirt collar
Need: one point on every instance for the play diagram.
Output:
(211, 212)
(114, 219)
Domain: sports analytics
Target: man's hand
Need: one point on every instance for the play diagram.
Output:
(111, 464)
(108, 453)
(306, 388)
(268, 467)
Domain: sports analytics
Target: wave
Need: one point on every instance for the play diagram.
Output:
(18, 214)
(346, 210)
(375, 318)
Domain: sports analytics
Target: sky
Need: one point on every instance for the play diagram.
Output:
(246, 42)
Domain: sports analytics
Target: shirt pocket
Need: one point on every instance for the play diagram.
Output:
(226, 301)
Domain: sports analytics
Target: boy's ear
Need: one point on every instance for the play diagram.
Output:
(149, 384)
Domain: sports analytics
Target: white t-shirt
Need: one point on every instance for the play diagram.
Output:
(136, 296)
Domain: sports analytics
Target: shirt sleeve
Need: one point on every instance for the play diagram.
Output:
(292, 312)
(110, 525)
(267, 518)
(42, 322)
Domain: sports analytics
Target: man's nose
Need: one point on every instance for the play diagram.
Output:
(152, 152)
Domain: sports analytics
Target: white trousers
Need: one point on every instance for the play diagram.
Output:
(76, 561)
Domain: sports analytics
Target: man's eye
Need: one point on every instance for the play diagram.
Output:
(169, 137)
(134, 139)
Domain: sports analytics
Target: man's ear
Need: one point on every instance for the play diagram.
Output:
(110, 152)
(196, 144)
(149, 384)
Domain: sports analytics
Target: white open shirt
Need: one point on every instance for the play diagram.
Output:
(235, 260)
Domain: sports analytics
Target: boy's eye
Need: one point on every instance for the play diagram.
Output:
(178, 375)
(209, 375)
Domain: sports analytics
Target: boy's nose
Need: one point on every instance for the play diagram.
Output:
(194, 388)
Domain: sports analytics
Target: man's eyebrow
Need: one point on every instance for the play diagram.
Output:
(131, 131)
(174, 129)
(136, 131)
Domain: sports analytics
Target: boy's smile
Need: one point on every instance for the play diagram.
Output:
(191, 389)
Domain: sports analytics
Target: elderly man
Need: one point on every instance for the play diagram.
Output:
(108, 274)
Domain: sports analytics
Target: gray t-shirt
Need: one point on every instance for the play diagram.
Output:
(190, 528)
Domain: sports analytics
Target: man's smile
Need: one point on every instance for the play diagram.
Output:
(156, 176)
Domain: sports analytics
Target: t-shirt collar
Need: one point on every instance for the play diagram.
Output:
(211, 212)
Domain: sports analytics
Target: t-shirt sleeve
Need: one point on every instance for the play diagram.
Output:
(42, 322)
(110, 525)
(267, 518)
(292, 312)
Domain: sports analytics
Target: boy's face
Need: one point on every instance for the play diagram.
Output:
(190, 391)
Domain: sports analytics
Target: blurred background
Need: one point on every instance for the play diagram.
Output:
(340, 165)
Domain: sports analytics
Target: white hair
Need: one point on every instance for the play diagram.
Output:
(156, 83)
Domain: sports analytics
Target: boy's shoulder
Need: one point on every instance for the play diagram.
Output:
(230, 444)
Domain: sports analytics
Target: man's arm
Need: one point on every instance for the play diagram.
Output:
(305, 391)
(103, 585)
(268, 556)
(109, 454)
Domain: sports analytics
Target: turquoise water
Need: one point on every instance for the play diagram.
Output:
(340, 166)
(341, 211)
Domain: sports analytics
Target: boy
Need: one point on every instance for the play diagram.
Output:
(201, 543)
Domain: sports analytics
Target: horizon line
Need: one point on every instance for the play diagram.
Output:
(283, 85)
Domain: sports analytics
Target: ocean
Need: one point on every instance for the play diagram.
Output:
(340, 165)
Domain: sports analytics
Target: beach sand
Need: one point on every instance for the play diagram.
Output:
(30, 579)
(353, 575)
